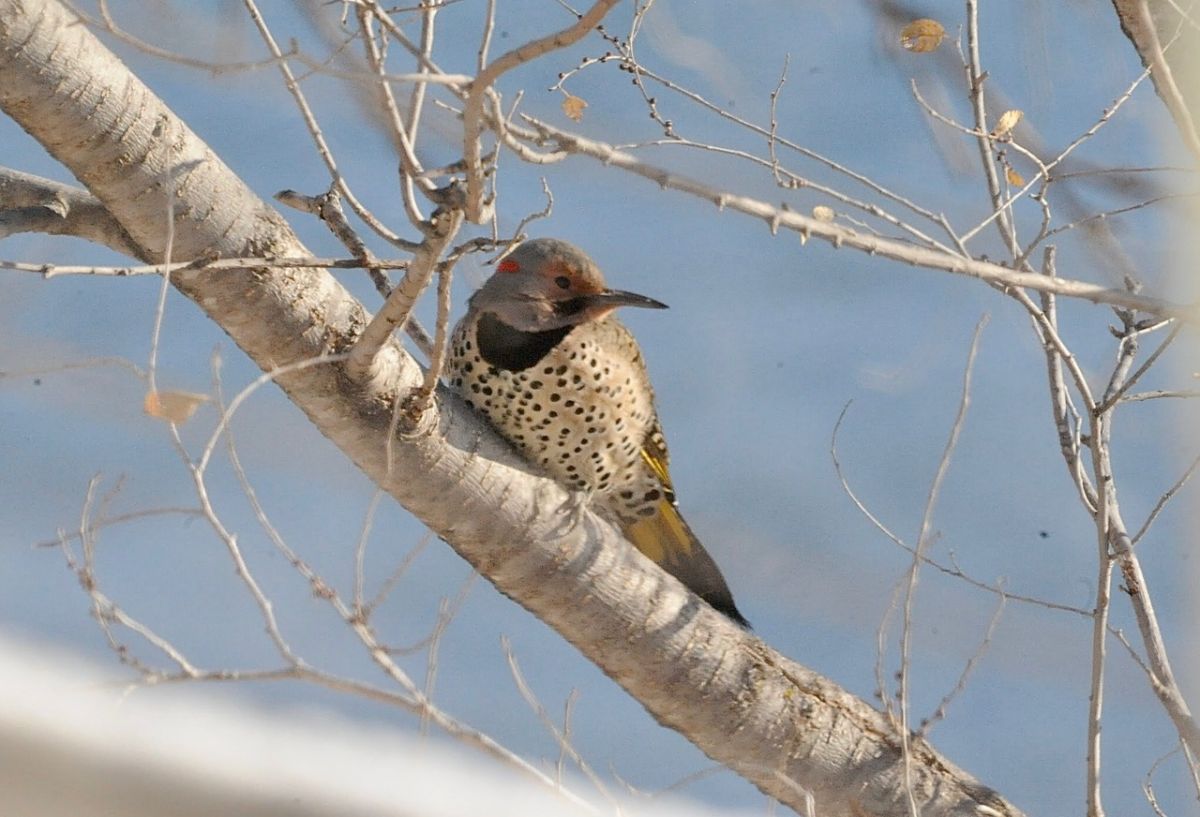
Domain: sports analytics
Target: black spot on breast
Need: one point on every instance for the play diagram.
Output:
(507, 347)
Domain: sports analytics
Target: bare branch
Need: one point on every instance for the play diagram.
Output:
(310, 122)
(939, 713)
(442, 229)
(1119, 393)
(923, 541)
(976, 76)
(1095, 803)
(214, 264)
(404, 137)
(839, 236)
(559, 735)
(1143, 30)
(477, 210)
(31, 204)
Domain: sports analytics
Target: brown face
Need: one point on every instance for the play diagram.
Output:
(548, 284)
(559, 278)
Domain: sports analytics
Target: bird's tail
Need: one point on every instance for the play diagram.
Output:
(666, 539)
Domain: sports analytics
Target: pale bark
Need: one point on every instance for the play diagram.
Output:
(29, 204)
(1166, 35)
(780, 725)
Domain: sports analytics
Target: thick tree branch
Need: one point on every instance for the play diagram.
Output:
(31, 204)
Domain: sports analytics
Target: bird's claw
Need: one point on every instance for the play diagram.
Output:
(575, 506)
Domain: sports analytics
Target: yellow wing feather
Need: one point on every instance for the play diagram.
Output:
(665, 538)
(655, 455)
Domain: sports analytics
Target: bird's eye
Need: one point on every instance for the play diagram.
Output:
(563, 282)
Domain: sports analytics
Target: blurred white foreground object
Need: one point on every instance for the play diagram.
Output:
(72, 744)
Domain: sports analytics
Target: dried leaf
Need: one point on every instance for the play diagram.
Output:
(823, 213)
(573, 107)
(1014, 178)
(922, 36)
(1008, 120)
(172, 406)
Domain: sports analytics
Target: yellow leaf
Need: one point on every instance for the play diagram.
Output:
(823, 213)
(1014, 178)
(172, 406)
(922, 36)
(573, 107)
(1008, 120)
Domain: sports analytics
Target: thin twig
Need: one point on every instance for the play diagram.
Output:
(403, 137)
(473, 119)
(839, 236)
(314, 129)
(54, 270)
(939, 713)
(564, 745)
(954, 571)
(1095, 803)
(360, 552)
(447, 610)
(1148, 782)
(394, 577)
(1119, 393)
(117, 519)
(923, 541)
(1160, 394)
(440, 340)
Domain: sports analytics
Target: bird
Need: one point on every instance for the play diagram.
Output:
(542, 357)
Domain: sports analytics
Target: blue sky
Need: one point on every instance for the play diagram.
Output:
(765, 342)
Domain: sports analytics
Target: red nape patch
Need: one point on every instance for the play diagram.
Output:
(508, 265)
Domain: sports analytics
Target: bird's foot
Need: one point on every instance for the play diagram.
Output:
(575, 506)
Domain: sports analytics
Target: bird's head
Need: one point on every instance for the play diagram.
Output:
(548, 284)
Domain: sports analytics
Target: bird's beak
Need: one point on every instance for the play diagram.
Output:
(612, 298)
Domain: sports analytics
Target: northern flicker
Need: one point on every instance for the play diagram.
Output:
(542, 357)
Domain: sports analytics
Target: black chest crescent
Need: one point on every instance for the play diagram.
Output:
(506, 347)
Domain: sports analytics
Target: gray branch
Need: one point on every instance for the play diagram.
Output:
(31, 204)
(1167, 39)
